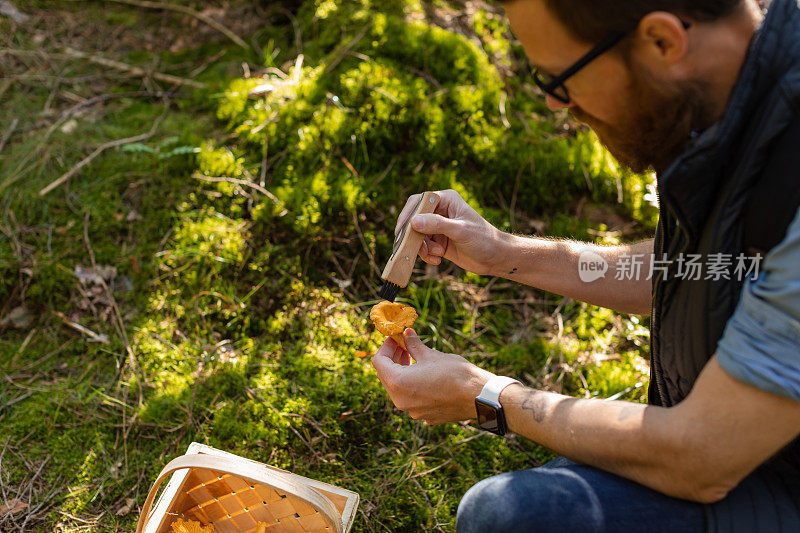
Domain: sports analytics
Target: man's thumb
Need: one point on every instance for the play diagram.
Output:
(414, 345)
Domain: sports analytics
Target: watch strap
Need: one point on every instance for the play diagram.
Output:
(491, 391)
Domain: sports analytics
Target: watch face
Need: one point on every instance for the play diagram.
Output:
(488, 415)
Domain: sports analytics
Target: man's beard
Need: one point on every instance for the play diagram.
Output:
(657, 125)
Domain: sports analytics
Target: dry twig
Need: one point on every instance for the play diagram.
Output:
(136, 71)
(101, 338)
(244, 183)
(189, 11)
(9, 132)
(99, 150)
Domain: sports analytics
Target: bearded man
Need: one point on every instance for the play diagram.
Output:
(707, 93)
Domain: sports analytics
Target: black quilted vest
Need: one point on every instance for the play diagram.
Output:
(706, 196)
(735, 190)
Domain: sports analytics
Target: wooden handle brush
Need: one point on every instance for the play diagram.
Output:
(398, 269)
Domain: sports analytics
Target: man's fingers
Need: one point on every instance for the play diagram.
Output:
(448, 200)
(434, 248)
(424, 253)
(427, 256)
(388, 348)
(385, 368)
(397, 356)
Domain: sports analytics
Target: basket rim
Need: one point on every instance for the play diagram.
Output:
(177, 479)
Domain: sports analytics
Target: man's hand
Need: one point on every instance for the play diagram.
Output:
(438, 388)
(456, 232)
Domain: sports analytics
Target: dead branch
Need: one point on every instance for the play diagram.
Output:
(136, 71)
(188, 11)
(244, 183)
(101, 338)
(8, 134)
(99, 150)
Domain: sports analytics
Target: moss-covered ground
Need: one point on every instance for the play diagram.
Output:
(246, 232)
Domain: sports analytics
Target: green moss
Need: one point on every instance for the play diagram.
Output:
(246, 309)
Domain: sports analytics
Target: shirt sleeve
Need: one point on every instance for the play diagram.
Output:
(761, 342)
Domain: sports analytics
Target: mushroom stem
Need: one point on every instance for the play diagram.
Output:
(401, 342)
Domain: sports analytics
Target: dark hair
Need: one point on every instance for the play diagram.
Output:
(595, 20)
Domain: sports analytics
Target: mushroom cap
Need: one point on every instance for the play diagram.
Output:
(392, 318)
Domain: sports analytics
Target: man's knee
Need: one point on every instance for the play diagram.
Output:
(481, 505)
(532, 500)
(504, 503)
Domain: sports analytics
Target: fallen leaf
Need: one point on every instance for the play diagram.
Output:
(96, 275)
(342, 283)
(12, 507)
(69, 126)
(126, 507)
(8, 9)
(62, 230)
(19, 318)
(362, 354)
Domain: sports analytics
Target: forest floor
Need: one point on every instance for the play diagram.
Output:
(194, 206)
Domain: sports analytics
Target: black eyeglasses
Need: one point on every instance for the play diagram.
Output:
(554, 85)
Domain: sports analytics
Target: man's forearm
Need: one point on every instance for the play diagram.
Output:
(634, 441)
(554, 266)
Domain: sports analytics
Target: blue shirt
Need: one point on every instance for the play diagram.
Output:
(761, 342)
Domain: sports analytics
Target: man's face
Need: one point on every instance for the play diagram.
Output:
(642, 117)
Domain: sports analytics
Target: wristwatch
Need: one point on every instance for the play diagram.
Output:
(491, 416)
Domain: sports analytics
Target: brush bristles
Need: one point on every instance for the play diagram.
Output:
(389, 291)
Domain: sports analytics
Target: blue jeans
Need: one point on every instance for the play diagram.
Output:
(565, 497)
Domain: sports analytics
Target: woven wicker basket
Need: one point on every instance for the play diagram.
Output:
(234, 494)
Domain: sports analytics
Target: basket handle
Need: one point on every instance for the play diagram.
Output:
(276, 479)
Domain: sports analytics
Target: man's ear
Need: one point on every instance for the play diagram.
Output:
(662, 40)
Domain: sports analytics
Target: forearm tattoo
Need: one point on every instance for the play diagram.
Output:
(536, 403)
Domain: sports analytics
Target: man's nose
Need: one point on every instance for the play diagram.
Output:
(555, 104)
